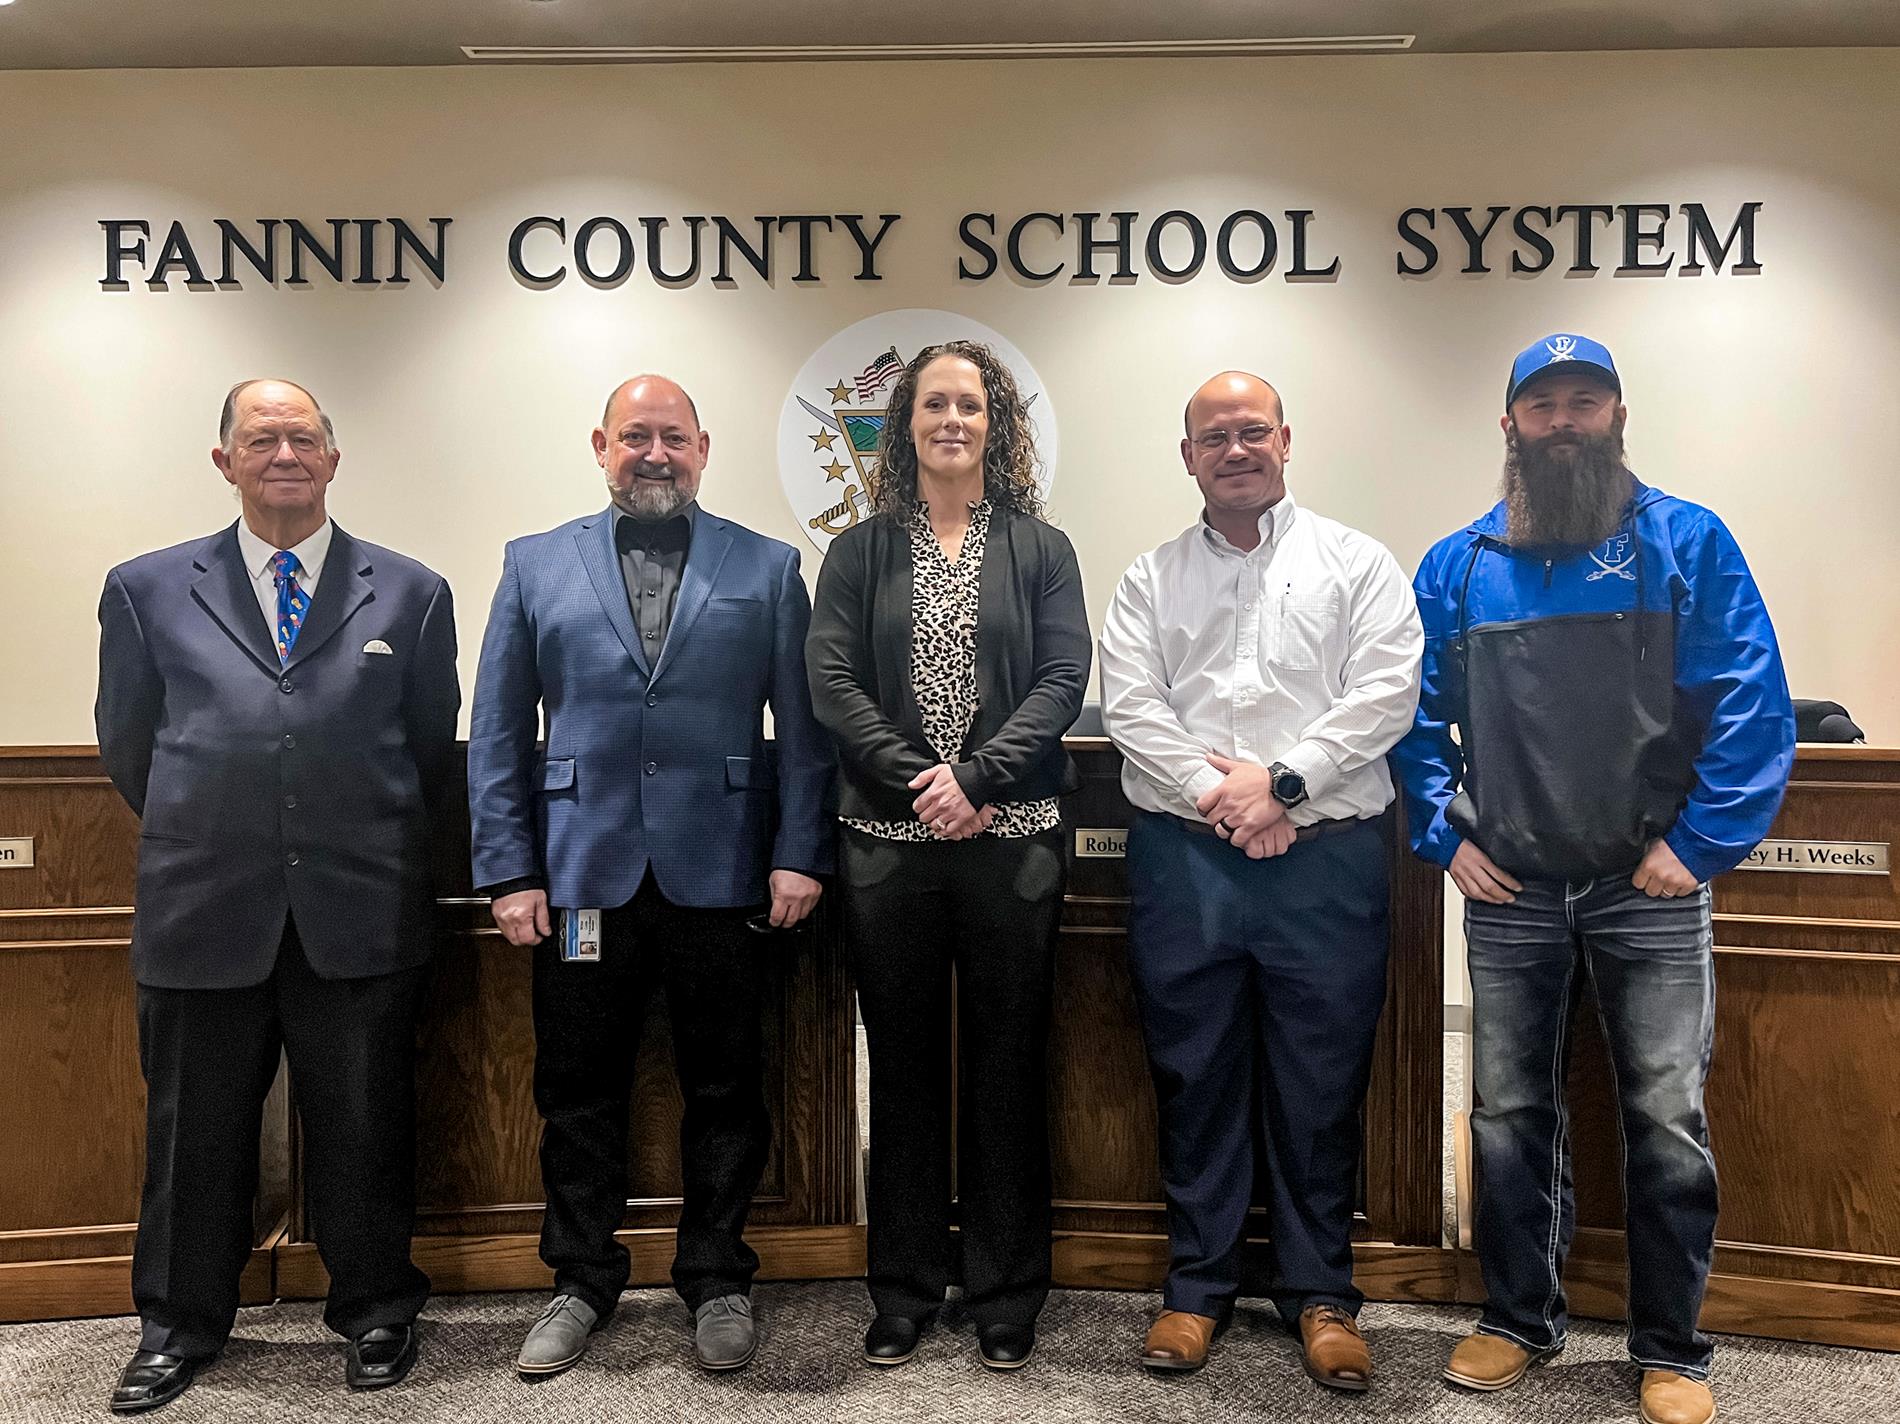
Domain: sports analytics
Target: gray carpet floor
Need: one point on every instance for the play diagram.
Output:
(283, 1364)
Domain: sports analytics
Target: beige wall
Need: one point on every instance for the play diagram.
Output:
(464, 411)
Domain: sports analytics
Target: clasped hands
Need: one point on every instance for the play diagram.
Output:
(942, 806)
(1244, 811)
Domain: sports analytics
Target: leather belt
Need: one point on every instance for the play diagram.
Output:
(1319, 830)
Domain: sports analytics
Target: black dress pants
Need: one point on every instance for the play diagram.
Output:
(209, 1056)
(587, 1020)
(914, 911)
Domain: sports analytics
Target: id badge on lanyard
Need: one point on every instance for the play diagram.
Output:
(580, 936)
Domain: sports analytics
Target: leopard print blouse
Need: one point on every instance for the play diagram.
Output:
(943, 605)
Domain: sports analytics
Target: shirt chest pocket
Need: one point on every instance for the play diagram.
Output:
(1305, 632)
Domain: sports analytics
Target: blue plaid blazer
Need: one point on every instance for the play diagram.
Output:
(659, 763)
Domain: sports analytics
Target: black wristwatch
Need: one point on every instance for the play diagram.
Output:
(1289, 787)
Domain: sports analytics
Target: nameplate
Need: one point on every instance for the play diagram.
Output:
(16, 852)
(1101, 843)
(1821, 857)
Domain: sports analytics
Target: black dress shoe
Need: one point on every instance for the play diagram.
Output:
(381, 1357)
(152, 1379)
(1006, 1347)
(891, 1340)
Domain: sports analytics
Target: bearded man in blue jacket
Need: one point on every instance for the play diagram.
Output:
(1624, 735)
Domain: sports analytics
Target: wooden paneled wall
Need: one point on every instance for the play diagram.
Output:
(1806, 1134)
(1804, 1118)
(72, 1103)
(479, 1200)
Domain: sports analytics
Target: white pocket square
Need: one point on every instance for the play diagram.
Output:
(377, 645)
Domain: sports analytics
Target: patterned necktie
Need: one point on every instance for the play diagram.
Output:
(292, 603)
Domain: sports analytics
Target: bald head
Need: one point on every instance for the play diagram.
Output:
(651, 447)
(643, 389)
(1229, 387)
(1236, 448)
(268, 388)
(277, 450)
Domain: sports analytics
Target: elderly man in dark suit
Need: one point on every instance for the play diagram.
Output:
(630, 855)
(277, 702)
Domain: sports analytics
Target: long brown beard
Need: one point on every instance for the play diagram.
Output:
(1565, 491)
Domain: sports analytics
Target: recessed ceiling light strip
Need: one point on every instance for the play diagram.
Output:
(1098, 49)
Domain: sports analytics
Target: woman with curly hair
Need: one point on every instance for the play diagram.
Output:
(949, 652)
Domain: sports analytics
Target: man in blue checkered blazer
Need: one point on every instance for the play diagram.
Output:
(645, 846)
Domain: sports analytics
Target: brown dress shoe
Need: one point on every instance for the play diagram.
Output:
(1178, 1340)
(1335, 1352)
(1488, 1362)
(1670, 1398)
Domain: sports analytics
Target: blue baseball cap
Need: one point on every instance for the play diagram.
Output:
(1561, 354)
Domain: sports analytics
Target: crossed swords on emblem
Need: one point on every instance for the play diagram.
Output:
(856, 503)
(1620, 568)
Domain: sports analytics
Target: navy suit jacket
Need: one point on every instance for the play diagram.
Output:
(268, 791)
(651, 761)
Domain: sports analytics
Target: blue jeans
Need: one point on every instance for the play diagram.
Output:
(1652, 964)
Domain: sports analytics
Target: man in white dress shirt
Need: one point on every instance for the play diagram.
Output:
(1255, 671)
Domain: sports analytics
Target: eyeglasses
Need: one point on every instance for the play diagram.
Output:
(1212, 442)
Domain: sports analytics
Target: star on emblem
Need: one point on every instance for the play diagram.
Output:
(835, 471)
(839, 393)
(822, 440)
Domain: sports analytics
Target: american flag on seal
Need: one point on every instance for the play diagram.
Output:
(880, 373)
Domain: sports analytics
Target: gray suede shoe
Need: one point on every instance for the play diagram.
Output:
(559, 1337)
(723, 1335)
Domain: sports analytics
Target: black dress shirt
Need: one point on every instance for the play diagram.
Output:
(652, 558)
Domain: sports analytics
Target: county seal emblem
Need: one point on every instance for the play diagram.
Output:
(833, 417)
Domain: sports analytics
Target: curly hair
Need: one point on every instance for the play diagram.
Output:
(1010, 462)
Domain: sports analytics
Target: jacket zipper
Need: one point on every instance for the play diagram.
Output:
(1547, 564)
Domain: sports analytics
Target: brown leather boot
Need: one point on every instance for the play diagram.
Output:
(1488, 1362)
(1670, 1398)
(1335, 1352)
(1178, 1340)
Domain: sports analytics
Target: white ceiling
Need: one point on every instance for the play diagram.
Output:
(119, 34)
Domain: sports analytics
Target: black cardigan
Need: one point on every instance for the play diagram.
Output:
(1032, 666)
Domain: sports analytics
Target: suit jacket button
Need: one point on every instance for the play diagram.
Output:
(289, 740)
(652, 767)
(287, 685)
(291, 859)
(653, 701)
(290, 803)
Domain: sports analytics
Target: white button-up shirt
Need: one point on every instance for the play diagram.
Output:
(257, 556)
(1303, 651)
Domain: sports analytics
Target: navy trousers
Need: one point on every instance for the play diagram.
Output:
(1260, 984)
(209, 1057)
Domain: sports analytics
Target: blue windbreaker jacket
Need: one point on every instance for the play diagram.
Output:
(1602, 698)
